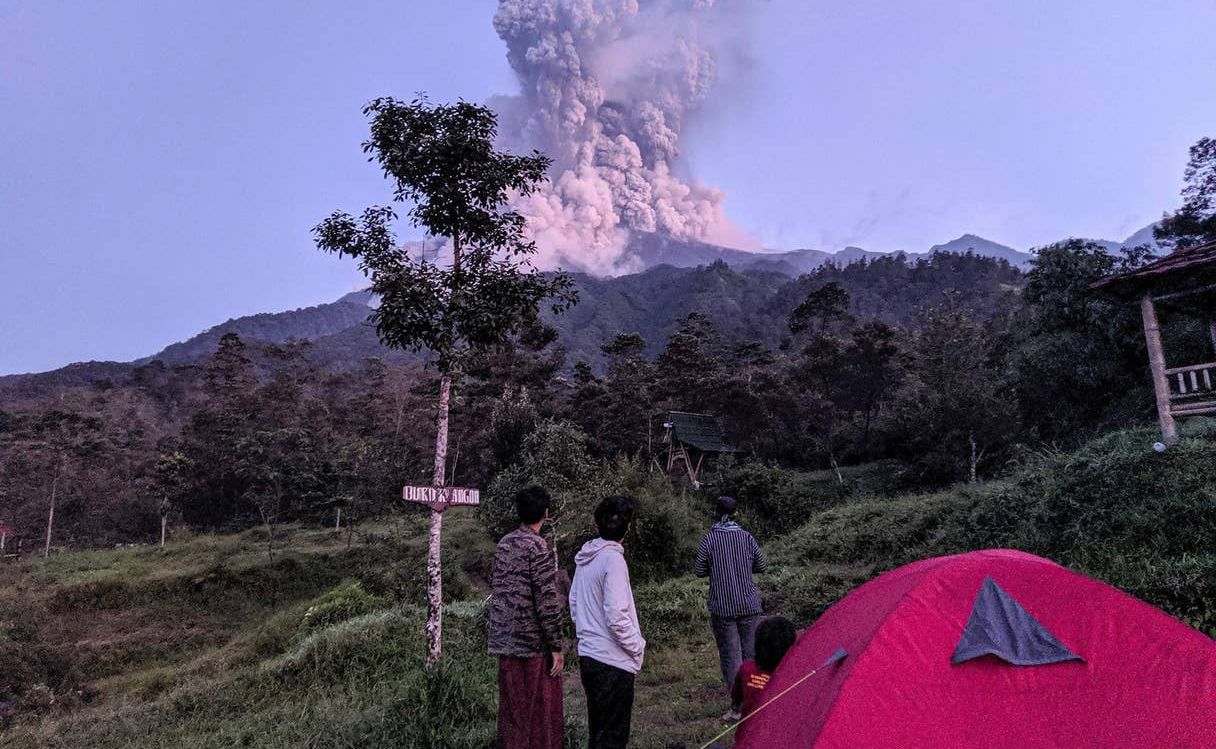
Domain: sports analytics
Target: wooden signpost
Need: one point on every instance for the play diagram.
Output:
(438, 498)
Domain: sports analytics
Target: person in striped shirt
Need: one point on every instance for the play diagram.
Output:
(728, 556)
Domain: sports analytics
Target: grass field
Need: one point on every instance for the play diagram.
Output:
(210, 643)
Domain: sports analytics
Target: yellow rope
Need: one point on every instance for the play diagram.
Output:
(766, 704)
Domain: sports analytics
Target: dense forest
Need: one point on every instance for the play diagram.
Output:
(950, 367)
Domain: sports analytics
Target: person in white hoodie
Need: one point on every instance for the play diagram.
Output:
(610, 643)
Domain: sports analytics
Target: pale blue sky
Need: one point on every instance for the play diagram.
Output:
(161, 163)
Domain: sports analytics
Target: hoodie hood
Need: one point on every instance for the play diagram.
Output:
(596, 546)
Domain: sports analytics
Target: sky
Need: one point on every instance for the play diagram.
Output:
(161, 164)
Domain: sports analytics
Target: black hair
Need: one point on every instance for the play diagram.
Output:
(774, 636)
(727, 506)
(531, 504)
(612, 517)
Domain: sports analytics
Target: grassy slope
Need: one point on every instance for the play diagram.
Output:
(188, 649)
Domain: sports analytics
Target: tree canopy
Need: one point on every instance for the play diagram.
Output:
(442, 161)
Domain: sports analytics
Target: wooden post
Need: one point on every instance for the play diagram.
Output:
(164, 524)
(338, 521)
(1156, 361)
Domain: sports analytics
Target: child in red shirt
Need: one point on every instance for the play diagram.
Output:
(774, 637)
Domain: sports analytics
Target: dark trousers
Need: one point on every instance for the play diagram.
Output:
(609, 703)
(529, 704)
(736, 638)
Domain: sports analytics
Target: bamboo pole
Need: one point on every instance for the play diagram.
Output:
(1156, 361)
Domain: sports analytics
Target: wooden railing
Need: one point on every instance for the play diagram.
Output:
(1192, 389)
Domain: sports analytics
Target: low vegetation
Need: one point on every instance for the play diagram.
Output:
(210, 644)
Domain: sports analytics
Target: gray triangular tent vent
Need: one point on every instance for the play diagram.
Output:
(999, 626)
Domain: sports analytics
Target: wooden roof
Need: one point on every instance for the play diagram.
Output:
(1179, 268)
(701, 431)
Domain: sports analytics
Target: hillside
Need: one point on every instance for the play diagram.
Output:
(308, 323)
(211, 645)
(748, 302)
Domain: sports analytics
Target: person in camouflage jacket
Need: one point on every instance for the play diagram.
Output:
(525, 631)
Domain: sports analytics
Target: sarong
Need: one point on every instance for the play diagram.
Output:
(529, 704)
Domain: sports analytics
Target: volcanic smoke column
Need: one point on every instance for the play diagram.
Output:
(606, 87)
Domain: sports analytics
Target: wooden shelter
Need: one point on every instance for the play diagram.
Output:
(689, 438)
(1185, 281)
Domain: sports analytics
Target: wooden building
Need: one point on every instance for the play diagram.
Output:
(689, 438)
(1183, 282)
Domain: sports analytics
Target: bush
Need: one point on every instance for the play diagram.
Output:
(343, 602)
(802, 594)
(668, 611)
(1115, 509)
(554, 456)
(774, 501)
(883, 533)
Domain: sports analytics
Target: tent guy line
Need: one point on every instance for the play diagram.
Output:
(836, 657)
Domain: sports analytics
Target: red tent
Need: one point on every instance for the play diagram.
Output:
(930, 662)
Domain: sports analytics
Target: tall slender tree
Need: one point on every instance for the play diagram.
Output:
(480, 289)
(1195, 222)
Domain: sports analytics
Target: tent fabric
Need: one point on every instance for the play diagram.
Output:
(999, 626)
(1147, 680)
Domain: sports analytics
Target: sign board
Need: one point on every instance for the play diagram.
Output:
(441, 497)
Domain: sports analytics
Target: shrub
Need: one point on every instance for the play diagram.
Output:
(802, 594)
(343, 602)
(1115, 509)
(554, 456)
(774, 501)
(668, 611)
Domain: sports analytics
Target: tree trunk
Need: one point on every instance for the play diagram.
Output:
(50, 518)
(836, 468)
(338, 521)
(164, 522)
(832, 449)
(975, 459)
(434, 568)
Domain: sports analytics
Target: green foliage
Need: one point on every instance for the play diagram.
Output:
(1075, 350)
(1115, 509)
(957, 405)
(1195, 222)
(343, 602)
(774, 501)
(441, 159)
(803, 593)
(667, 525)
(553, 456)
(671, 610)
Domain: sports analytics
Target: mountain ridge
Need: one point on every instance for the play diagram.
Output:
(339, 328)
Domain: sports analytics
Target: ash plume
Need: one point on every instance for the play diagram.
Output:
(607, 86)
